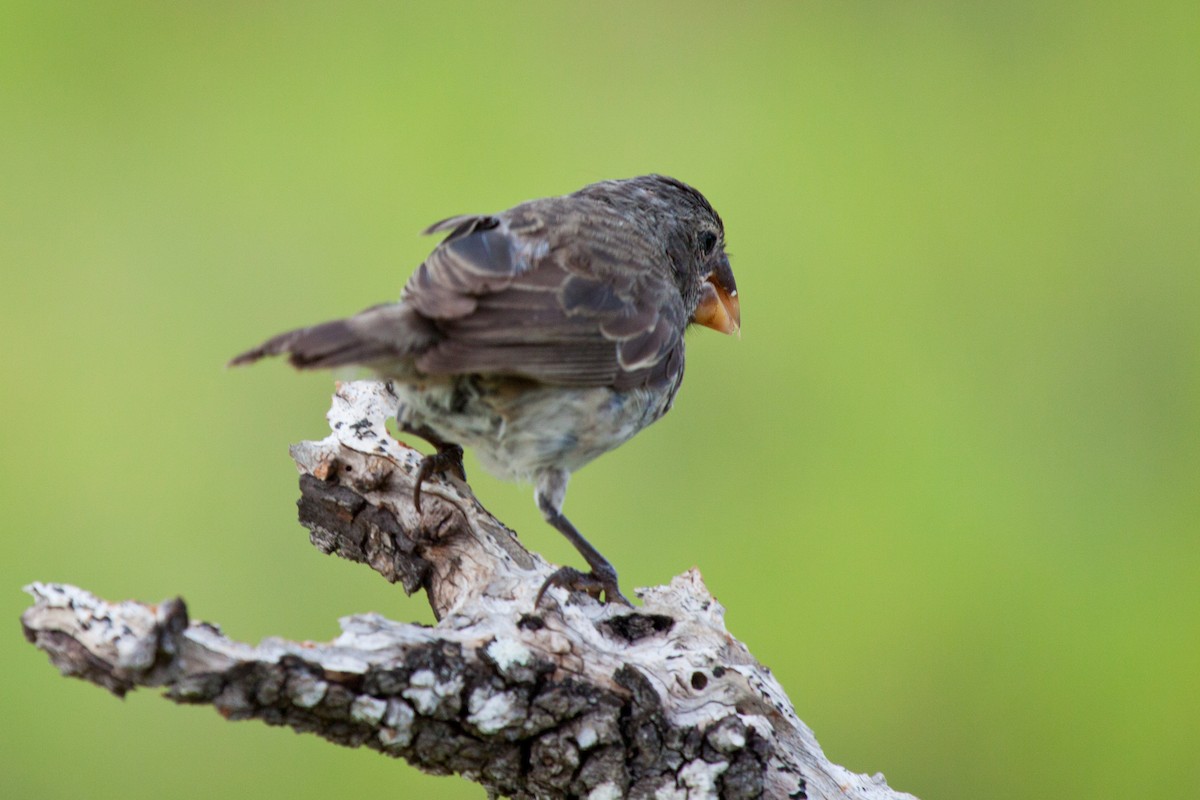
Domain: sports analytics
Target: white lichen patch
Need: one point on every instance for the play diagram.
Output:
(700, 778)
(670, 792)
(367, 710)
(307, 692)
(586, 737)
(426, 692)
(397, 721)
(605, 791)
(728, 738)
(508, 653)
(490, 712)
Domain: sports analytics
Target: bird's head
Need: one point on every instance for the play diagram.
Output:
(696, 249)
(717, 304)
(694, 239)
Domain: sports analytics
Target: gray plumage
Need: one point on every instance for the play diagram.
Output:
(545, 335)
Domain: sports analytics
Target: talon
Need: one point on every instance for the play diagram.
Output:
(423, 472)
(590, 583)
(455, 454)
(448, 459)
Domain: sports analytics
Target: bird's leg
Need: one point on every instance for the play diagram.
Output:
(448, 458)
(550, 492)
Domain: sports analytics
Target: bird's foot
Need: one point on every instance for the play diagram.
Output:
(592, 583)
(447, 459)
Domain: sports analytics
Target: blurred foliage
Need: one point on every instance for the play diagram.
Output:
(946, 484)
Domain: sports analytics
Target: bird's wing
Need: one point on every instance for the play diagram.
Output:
(571, 299)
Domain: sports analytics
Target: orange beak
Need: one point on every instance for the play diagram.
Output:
(719, 308)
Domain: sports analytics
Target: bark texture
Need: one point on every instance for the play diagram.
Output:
(571, 699)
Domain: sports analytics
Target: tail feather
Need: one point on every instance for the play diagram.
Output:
(383, 333)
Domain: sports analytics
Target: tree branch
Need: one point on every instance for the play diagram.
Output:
(573, 699)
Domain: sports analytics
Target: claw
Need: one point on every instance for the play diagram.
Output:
(448, 458)
(590, 583)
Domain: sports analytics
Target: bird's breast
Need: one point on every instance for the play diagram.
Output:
(518, 428)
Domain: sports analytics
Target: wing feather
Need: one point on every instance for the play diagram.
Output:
(569, 300)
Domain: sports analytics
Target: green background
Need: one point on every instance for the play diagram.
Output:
(946, 483)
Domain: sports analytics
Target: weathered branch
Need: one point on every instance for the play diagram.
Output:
(573, 699)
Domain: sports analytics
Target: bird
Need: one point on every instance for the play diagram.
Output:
(542, 337)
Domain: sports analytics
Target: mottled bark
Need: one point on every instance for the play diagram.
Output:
(571, 699)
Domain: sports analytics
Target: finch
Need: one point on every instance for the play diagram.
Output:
(542, 337)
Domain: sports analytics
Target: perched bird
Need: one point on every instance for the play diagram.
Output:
(542, 336)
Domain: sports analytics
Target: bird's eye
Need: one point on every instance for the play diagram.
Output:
(708, 240)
